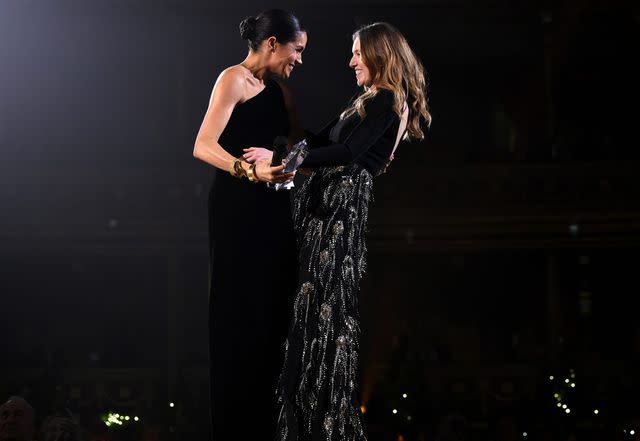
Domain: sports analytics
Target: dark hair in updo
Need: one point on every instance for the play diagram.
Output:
(274, 22)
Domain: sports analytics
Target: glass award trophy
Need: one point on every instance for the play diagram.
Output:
(292, 161)
(295, 157)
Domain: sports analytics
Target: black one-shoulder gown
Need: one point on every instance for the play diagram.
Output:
(253, 278)
(317, 392)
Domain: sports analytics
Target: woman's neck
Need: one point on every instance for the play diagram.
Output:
(255, 64)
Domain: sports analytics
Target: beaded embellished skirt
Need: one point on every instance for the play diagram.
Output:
(317, 397)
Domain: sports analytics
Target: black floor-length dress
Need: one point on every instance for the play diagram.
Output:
(317, 391)
(253, 276)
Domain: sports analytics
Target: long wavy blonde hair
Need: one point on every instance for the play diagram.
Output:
(393, 66)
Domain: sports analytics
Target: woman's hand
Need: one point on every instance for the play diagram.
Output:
(257, 154)
(388, 163)
(265, 173)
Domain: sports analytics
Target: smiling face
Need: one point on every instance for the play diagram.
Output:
(288, 55)
(363, 75)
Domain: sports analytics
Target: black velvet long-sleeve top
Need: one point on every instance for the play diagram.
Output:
(368, 142)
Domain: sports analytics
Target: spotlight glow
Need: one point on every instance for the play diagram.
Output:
(395, 411)
(568, 410)
(404, 395)
(114, 419)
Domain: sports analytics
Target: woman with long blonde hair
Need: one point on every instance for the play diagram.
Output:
(317, 394)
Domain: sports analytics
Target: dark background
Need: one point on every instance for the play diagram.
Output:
(503, 249)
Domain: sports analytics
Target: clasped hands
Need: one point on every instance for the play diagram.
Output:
(264, 172)
(258, 154)
(263, 156)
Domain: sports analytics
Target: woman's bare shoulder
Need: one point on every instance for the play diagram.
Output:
(233, 74)
(231, 84)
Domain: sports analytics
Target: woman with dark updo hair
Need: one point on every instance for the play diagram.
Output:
(253, 254)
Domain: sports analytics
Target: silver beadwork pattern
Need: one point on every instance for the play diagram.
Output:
(317, 387)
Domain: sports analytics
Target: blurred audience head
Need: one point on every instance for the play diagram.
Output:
(60, 426)
(16, 420)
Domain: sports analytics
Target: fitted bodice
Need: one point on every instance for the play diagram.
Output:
(257, 121)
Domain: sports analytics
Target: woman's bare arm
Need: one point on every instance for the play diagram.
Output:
(228, 92)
